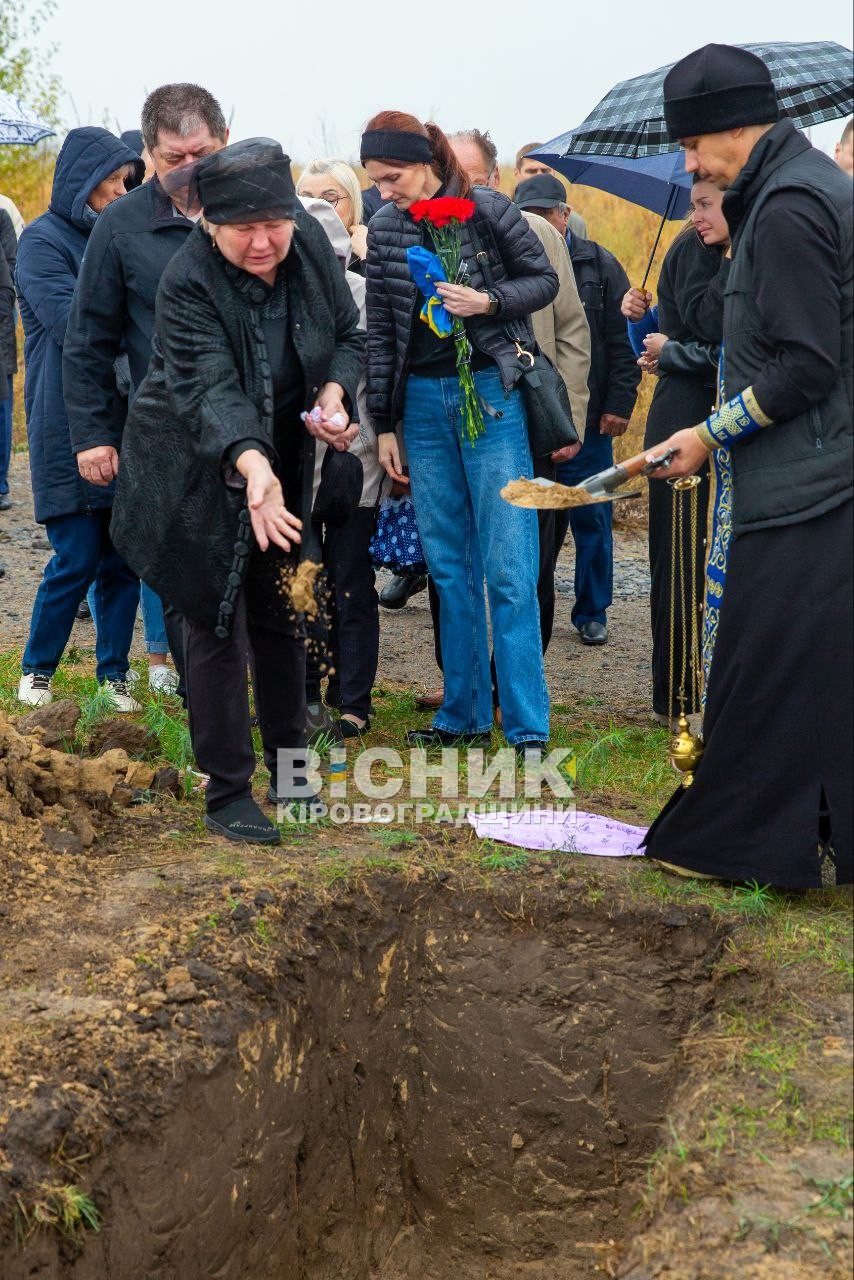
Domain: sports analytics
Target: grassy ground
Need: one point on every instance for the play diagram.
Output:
(766, 1096)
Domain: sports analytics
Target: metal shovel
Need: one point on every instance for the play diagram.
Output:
(602, 487)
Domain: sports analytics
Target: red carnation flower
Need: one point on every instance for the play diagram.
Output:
(439, 212)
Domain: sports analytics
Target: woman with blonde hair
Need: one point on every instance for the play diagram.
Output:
(335, 181)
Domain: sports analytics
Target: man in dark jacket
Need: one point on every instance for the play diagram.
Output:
(613, 383)
(113, 308)
(771, 800)
(8, 348)
(92, 169)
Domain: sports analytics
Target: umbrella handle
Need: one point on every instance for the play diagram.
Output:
(671, 201)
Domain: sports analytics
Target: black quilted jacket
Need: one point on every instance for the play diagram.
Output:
(522, 278)
(179, 515)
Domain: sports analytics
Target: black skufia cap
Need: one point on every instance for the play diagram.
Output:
(250, 181)
(718, 87)
(340, 488)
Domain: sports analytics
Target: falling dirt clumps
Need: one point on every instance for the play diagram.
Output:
(301, 588)
(50, 799)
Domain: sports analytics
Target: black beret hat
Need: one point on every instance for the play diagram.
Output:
(715, 88)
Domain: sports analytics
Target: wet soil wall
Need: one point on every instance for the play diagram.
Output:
(449, 1088)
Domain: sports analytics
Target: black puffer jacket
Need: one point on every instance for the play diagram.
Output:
(179, 516)
(522, 278)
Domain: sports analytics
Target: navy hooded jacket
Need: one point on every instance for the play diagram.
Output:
(49, 255)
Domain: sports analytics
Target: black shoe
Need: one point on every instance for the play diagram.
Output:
(529, 744)
(593, 633)
(5, 502)
(242, 820)
(347, 729)
(441, 738)
(84, 613)
(395, 594)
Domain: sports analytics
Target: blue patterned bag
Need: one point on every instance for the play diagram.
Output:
(396, 544)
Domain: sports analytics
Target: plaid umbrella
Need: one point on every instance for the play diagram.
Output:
(18, 124)
(814, 82)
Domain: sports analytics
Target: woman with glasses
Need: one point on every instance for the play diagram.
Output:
(335, 182)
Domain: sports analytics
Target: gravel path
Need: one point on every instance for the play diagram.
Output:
(615, 676)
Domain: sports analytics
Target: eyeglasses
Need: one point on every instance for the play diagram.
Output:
(332, 197)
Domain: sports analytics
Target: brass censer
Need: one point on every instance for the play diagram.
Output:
(686, 748)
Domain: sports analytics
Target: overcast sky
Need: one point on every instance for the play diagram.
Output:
(310, 74)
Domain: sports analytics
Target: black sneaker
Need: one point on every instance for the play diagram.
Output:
(84, 613)
(402, 587)
(242, 820)
(530, 744)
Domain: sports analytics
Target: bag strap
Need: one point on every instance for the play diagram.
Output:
(481, 257)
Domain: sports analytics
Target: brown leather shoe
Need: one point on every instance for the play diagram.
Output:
(430, 701)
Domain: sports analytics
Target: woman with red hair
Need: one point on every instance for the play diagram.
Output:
(468, 532)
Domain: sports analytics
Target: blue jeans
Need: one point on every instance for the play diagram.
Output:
(5, 438)
(153, 626)
(82, 554)
(592, 532)
(468, 532)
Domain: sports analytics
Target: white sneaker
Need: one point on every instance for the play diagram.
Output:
(162, 679)
(122, 699)
(34, 690)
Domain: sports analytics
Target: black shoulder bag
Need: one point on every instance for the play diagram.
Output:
(547, 407)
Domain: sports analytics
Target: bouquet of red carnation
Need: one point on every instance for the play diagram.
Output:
(445, 215)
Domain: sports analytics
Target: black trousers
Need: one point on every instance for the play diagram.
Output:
(218, 700)
(545, 592)
(351, 644)
(771, 798)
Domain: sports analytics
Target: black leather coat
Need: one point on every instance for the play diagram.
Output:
(179, 516)
(522, 278)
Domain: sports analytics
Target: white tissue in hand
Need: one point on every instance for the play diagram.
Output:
(336, 420)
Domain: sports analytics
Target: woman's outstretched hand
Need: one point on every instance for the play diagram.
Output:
(271, 520)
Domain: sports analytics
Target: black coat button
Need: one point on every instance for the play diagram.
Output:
(241, 548)
(267, 404)
(234, 579)
(257, 293)
(221, 632)
(244, 516)
(226, 608)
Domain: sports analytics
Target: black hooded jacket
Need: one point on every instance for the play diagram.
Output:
(522, 278)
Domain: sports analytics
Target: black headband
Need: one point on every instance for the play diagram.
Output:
(395, 144)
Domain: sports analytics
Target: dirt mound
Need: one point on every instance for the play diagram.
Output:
(48, 798)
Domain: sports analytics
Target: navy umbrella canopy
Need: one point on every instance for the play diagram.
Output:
(659, 183)
(814, 82)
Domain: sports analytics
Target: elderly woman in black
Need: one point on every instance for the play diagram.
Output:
(255, 325)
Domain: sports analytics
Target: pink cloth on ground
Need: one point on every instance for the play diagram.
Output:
(569, 832)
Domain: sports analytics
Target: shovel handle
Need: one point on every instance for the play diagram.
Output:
(638, 465)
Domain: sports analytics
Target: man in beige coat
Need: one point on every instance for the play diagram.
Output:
(563, 335)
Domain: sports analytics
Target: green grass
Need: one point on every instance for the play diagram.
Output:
(65, 1209)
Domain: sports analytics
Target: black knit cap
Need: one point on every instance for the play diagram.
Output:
(715, 88)
(250, 181)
